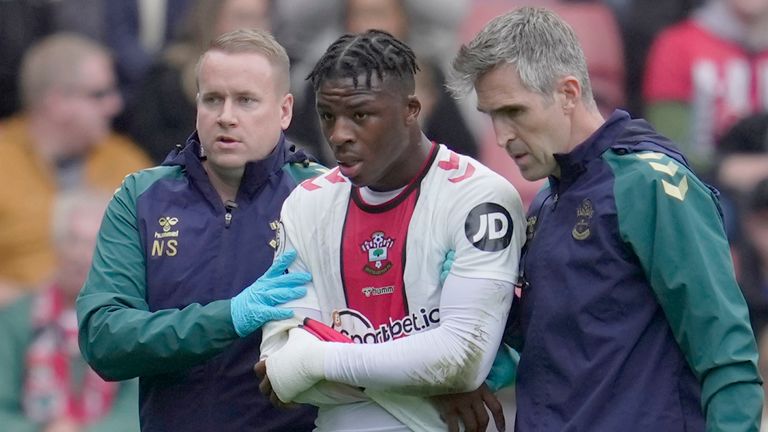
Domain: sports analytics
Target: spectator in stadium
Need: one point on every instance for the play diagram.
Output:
(47, 386)
(753, 257)
(630, 316)
(171, 296)
(62, 139)
(706, 73)
(374, 233)
(742, 156)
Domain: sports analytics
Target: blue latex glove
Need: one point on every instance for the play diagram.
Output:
(446, 267)
(504, 369)
(255, 305)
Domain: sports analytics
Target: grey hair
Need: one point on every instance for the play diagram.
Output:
(538, 43)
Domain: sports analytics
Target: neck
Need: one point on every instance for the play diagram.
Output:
(226, 182)
(408, 166)
(585, 122)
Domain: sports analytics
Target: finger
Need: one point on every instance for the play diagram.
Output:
(265, 387)
(274, 314)
(481, 415)
(276, 296)
(467, 415)
(276, 400)
(261, 369)
(292, 279)
(497, 410)
(281, 263)
(452, 422)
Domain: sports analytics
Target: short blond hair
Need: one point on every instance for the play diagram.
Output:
(254, 41)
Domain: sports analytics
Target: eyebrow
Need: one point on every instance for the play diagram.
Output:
(504, 107)
(353, 102)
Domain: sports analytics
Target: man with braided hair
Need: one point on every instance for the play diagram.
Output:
(374, 232)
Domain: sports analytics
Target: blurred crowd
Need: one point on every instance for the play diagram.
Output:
(94, 89)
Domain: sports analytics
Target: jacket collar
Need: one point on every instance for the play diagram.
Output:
(256, 174)
(573, 164)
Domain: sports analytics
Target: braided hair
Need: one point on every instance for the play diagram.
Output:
(373, 51)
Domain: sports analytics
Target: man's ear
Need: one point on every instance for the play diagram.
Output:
(413, 108)
(286, 111)
(569, 92)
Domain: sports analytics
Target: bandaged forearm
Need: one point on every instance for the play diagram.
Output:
(454, 357)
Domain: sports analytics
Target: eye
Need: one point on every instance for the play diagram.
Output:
(512, 112)
(246, 100)
(326, 117)
(211, 99)
(360, 116)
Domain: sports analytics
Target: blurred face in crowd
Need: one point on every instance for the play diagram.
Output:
(242, 107)
(75, 250)
(240, 14)
(387, 15)
(368, 129)
(757, 231)
(749, 10)
(529, 126)
(84, 107)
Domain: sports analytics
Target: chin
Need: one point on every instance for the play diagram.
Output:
(228, 161)
(532, 176)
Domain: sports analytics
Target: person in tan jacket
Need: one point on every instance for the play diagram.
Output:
(61, 139)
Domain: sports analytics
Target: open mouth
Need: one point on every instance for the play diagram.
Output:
(519, 157)
(350, 168)
(226, 139)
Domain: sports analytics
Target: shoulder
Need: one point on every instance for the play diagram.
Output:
(679, 34)
(122, 149)
(140, 181)
(13, 137)
(321, 188)
(457, 175)
(301, 171)
(646, 176)
(644, 167)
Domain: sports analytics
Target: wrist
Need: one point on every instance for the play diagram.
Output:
(297, 366)
(237, 313)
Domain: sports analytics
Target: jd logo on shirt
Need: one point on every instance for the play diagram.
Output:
(489, 227)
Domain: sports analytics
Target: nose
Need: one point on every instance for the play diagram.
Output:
(227, 117)
(504, 133)
(340, 133)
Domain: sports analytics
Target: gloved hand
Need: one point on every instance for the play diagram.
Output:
(447, 264)
(297, 366)
(255, 305)
(504, 369)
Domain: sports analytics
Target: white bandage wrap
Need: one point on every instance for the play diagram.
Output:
(297, 366)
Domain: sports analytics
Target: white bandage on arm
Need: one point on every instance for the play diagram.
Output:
(454, 357)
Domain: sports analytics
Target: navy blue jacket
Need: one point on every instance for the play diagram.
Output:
(632, 319)
(169, 258)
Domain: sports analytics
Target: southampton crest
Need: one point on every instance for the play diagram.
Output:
(377, 248)
(583, 218)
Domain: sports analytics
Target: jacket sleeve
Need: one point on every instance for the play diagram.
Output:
(118, 335)
(673, 224)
